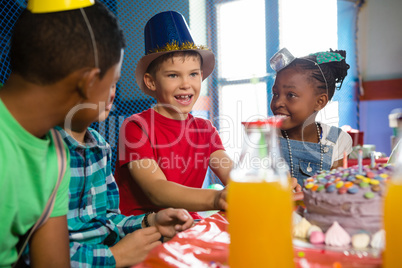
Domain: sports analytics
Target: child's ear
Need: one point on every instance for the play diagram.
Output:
(87, 81)
(149, 81)
(322, 100)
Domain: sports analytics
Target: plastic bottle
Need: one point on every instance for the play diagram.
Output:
(260, 202)
(393, 212)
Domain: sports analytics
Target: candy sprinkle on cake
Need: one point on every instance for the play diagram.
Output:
(352, 199)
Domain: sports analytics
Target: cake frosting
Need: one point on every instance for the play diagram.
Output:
(352, 199)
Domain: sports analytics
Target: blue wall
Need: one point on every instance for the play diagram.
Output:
(374, 122)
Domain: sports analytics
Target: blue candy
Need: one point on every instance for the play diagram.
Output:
(331, 188)
(353, 190)
(379, 178)
(323, 181)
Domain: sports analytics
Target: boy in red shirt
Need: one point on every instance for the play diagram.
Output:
(164, 152)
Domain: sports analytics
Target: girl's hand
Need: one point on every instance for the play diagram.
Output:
(170, 221)
(297, 190)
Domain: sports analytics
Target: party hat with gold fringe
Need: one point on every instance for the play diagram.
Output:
(48, 6)
(168, 32)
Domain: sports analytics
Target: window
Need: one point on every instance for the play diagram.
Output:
(241, 68)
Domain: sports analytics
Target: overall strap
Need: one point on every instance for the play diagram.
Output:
(61, 162)
(333, 134)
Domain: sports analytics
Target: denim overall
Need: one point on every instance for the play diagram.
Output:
(307, 157)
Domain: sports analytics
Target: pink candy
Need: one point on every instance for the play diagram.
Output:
(317, 237)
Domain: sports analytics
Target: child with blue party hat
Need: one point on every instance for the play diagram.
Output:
(303, 86)
(164, 152)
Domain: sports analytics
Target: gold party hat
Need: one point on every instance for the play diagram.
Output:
(47, 6)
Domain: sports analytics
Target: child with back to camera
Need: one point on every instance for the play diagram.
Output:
(303, 86)
(100, 236)
(57, 66)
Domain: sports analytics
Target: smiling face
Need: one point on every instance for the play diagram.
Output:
(295, 96)
(176, 85)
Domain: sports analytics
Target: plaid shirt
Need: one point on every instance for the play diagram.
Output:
(94, 219)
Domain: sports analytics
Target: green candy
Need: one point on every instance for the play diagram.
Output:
(364, 185)
(320, 188)
(369, 195)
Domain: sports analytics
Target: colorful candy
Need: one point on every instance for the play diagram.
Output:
(353, 190)
(349, 184)
(331, 188)
(364, 185)
(309, 185)
(339, 184)
(375, 188)
(320, 188)
(342, 190)
(369, 195)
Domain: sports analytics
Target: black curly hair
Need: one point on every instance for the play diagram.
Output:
(334, 71)
(46, 48)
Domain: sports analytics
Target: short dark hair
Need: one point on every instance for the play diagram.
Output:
(334, 71)
(47, 47)
(153, 67)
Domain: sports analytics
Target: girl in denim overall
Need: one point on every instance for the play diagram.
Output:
(303, 86)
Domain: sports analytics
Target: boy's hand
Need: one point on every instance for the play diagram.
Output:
(170, 221)
(297, 190)
(134, 247)
(220, 199)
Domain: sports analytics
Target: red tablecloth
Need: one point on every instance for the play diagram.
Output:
(366, 161)
(207, 245)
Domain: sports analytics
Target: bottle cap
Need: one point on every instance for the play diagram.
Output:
(275, 121)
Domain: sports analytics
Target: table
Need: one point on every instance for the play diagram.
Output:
(207, 245)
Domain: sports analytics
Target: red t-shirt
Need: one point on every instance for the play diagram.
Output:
(181, 148)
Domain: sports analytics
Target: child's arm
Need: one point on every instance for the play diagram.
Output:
(134, 247)
(337, 164)
(221, 164)
(128, 251)
(164, 193)
(49, 245)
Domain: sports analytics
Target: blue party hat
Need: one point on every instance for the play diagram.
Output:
(168, 32)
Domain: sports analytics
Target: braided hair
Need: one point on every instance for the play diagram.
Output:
(334, 71)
